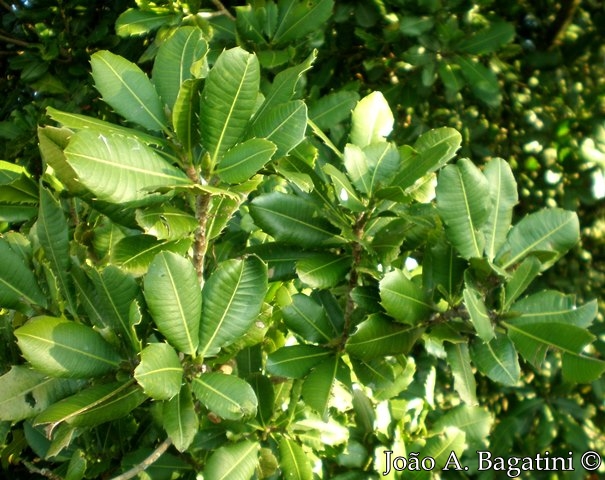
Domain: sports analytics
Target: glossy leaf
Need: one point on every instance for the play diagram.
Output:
(235, 461)
(308, 319)
(323, 270)
(173, 294)
(17, 282)
(555, 307)
(463, 203)
(346, 194)
(159, 372)
(119, 169)
(128, 90)
(551, 231)
(372, 120)
(503, 191)
(403, 299)
(317, 387)
(26, 392)
(228, 100)
(174, 61)
(378, 336)
(134, 253)
(232, 299)
(227, 396)
(63, 348)
(294, 461)
(295, 361)
(497, 359)
(459, 360)
(185, 116)
(291, 219)
(284, 125)
(180, 419)
(245, 159)
(522, 277)
(478, 313)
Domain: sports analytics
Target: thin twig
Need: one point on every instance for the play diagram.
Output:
(157, 453)
(218, 4)
(14, 41)
(45, 472)
(6, 6)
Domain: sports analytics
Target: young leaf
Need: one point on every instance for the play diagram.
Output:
(317, 387)
(308, 319)
(323, 270)
(119, 169)
(127, 90)
(245, 159)
(372, 120)
(227, 396)
(228, 100)
(235, 461)
(174, 297)
(459, 360)
(347, 196)
(478, 313)
(159, 372)
(26, 393)
(175, 58)
(138, 22)
(378, 336)
(497, 359)
(358, 169)
(383, 163)
(17, 282)
(464, 204)
(503, 191)
(180, 419)
(233, 296)
(63, 348)
(295, 361)
(403, 299)
(553, 231)
(294, 461)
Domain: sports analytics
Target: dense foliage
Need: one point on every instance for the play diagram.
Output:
(278, 239)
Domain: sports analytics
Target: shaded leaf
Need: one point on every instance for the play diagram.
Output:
(489, 39)
(245, 159)
(135, 253)
(308, 319)
(522, 277)
(317, 387)
(297, 19)
(180, 419)
(478, 313)
(295, 361)
(323, 270)
(185, 116)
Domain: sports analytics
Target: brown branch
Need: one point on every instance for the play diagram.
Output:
(6, 6)
(200, 245)
(153, 457)
(44, 472)
(14, 41)
(562, 21)
(222, 9)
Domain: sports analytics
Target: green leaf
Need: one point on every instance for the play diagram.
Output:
(440, 447)
(357, 165)
(284, 125)
(180, 419)
(245, 159)
(503, 191)
(331, 109)
(18, 194)
(459, 360)
(451, 76)
(346, 194)
(93, 406)
(295, 361)
(372, 120)
(174, 61)
(475, 422)
(17, 281)
(463, 203)
(159, 372)
(135, 253)
(478, 313)
(553, 231)
(227, 396)
(489, 39)
(442, 269)
(135, 21)
(235, 461)
(497, 359)
(403, 299)
(64, 348)
(482, 81)
(173, 294)
(522, 277)
(298, 18)
(378, 336)
(166, 222)
(308, 319)
(415, 26)
(127, 90)
(294, 461)
(291, 219)
(323, 270)
(228, 100)
(233, 296)
(26, 393)
(317, 387)
(119, 169)
(185, 114)
(383, 163)
(551, 306)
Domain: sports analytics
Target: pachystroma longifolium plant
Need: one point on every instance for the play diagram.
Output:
(221, 286)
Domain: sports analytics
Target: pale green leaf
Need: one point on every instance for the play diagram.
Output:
(478, 313)
(159, 372)
(440, 447)
(475, 422)
(346, 194)
(63, 348)
(228, 100)
(135, 21)
(166, 222)
(459, 360)
(403, 299)
(233, 296)
(497, 359)
(357, 165)
(383, 163)
(463, 203)
(294, 461)
(317, 387)
(227, 396)
(372, 120)
(235, 461)
(295, 361)
(126, 88)
(245, 159)
(180, 419)
(173, 295)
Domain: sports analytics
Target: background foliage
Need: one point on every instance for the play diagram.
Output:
(522, 82)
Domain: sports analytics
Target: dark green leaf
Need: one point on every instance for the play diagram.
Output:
(478, 313)
(180, 419)
(323, 270)
(523, 275)
(227, 396)
(497, 359)
(317, 387)
(403, 299)
(308, 319)
(489, 39)
(295, 361)
(297, 19)
(245, 159)
(284, 125)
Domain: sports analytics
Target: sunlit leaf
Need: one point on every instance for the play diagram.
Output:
(372, 120)
(235, 461)
(323, 270)
(245, 159)
(459, 360)
(227, 396)
(295, 361)
(497, 359)
(159, 372)
(555, 307)
(294, 461)
(403, 299)
(297, 19)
